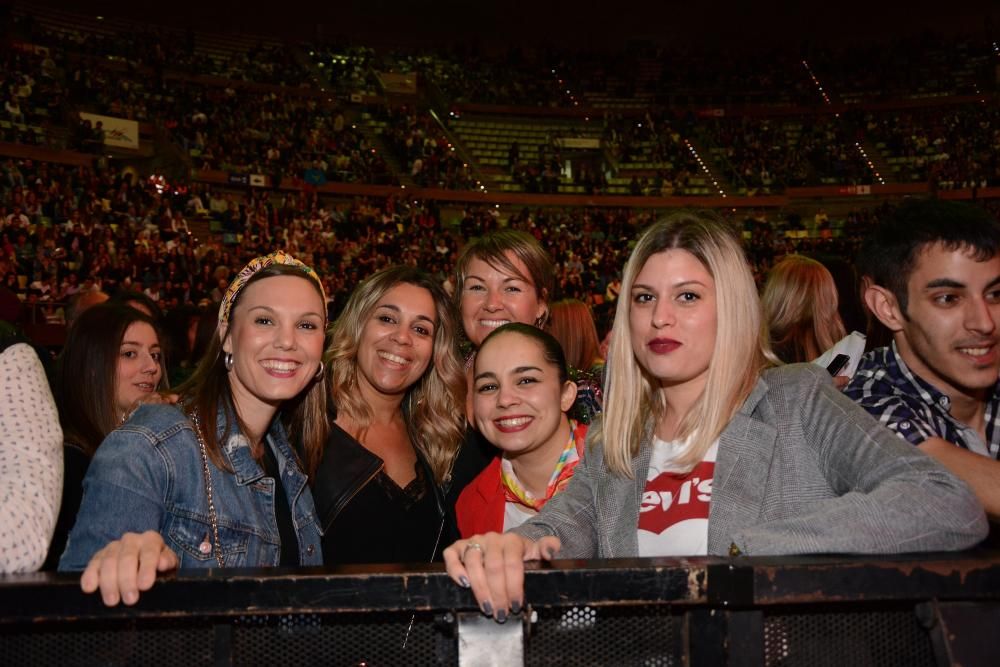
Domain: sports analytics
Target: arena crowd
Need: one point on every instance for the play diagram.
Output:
(304, 279)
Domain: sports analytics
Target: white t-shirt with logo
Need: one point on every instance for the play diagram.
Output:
(514, 515)
(673, 514)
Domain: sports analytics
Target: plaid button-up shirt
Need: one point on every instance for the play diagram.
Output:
(915, 410)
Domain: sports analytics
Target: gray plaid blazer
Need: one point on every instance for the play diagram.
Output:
(801, 469)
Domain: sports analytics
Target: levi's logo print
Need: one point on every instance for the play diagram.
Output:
(671, 498)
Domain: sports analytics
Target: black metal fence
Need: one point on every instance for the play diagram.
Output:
(936, 610)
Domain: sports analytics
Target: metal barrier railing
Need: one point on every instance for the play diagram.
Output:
(937, 609)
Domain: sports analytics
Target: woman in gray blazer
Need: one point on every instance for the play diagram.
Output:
(709, 446)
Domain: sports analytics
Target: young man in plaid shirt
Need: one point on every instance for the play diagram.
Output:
(931, 275)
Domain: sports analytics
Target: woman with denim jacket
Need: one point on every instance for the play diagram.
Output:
(213, 481)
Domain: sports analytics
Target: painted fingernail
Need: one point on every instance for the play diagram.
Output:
(488, 608)
(464, 581)
(501, 616)
(515, 607)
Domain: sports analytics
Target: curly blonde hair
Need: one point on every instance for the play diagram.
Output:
(434, 406)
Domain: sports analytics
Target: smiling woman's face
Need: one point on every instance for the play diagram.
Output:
(276, 338)
(139, 366)
(397, 341)
(492, 297)
(519, 401)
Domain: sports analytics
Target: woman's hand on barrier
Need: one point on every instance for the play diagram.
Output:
(127, 566)
(492, 565)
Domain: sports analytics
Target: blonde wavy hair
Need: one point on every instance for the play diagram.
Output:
(800, 307)
(434, 407)
(633, 402)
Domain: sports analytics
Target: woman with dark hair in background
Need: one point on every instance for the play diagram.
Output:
(111, 361)
(140, 301)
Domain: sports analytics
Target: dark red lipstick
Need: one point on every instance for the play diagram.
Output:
(663, 345)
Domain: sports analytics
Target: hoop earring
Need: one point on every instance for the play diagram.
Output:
(227, 360)
(319, 371)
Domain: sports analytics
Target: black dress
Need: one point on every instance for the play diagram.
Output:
(367, 518)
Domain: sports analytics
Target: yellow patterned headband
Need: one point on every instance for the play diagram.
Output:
(244, 276)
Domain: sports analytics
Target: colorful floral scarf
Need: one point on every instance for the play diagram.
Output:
(570, 457)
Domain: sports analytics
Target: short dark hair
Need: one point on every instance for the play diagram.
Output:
(889, 254)
(493, 247)
(551, 349)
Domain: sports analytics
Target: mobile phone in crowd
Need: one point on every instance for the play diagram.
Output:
(838, 364)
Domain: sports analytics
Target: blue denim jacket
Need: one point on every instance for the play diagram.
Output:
(148, 475)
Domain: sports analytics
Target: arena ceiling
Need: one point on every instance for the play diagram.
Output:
(583, 23)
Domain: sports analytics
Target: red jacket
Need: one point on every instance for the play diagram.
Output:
(480, 506)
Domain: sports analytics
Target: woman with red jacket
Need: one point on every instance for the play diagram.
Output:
(521, 395)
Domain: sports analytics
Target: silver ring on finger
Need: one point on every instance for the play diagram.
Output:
(472, 545)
